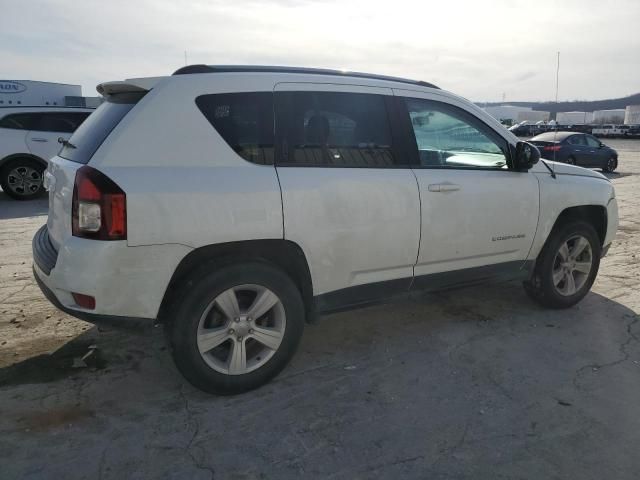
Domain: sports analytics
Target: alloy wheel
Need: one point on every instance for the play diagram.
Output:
(241, 329)
(572, 265)
(24, 180)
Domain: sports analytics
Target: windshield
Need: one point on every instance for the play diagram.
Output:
(97, 127)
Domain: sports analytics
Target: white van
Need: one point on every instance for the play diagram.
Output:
(233, 204)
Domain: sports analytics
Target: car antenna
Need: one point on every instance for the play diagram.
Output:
(555, 130)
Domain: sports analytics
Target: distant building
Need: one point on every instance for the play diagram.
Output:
(533, 116)
(33, 93)
(632, 115)
(608, 116)
(574, 118)
(506, 113)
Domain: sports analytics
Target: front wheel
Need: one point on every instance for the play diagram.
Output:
(611, 165)
(236, 327)
(567, 266)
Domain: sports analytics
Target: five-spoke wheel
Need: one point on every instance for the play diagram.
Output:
(567, 265)
(234, 328)
(241, 329)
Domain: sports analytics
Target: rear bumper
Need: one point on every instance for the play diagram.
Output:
(131, 323)
(128, 283)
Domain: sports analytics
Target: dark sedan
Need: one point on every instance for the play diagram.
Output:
(577, 149)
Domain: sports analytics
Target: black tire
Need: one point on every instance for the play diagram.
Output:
(541, 287)
(571, 161)
(7, 180)
(611, 165)
(199, 291)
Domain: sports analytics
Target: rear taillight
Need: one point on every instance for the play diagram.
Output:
(551, 148)
(99, 209)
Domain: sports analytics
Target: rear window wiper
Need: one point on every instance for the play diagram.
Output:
(66, 143)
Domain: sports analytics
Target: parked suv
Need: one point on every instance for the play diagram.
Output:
(233, 204)
(28, 138)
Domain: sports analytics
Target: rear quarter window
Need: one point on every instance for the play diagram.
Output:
(244, 121)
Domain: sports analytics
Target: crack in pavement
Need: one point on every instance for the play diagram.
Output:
(192, 420)
(623, 350)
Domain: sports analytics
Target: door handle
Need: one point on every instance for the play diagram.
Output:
(443, 187)
(39, 139)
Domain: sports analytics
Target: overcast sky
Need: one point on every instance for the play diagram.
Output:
(478, 49)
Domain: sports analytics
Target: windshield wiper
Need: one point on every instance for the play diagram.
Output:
(66, 143)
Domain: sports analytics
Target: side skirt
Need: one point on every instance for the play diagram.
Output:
(393, 290)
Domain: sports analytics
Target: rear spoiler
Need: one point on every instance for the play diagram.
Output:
(132, 85)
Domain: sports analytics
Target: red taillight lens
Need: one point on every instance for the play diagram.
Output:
(99, 209)
(552, 148)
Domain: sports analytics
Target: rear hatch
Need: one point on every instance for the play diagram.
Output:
(60, 177)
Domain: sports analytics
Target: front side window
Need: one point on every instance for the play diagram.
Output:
(335, 129)
(244, 121)
(576, 140)
(20, 121)
(592, 141)
(448, 137)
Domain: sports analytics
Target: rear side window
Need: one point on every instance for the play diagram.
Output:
(20, 121)
(244, 121)
(65, 122)
(97, 127)
(335, 129)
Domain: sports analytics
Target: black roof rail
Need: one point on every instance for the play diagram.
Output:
(192, 69)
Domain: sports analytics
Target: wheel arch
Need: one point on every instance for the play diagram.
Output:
(596, 215)
(283, 254)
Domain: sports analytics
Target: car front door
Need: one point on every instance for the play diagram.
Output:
(479, 217)
(578, 146)
(597, 155)
(349, 199)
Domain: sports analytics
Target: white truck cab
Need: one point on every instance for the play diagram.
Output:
(234, 203)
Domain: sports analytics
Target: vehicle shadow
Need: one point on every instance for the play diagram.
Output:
(429, 323)
(616, 174)
(430, 379)
(10, 208)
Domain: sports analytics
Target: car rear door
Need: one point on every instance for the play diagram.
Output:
(42, 140)
(478, 217)
(349, 198)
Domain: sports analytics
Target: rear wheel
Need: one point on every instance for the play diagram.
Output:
(611, 165)
(236, 327)
(567, 266)
(571, 161)
(21, 178)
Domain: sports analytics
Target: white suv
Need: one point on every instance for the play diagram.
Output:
(28, 138)
(233, 204)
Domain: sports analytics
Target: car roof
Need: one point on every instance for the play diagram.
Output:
(42, 108)
(555, 136)
(195, 69)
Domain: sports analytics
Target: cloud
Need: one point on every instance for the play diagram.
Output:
(476, 49)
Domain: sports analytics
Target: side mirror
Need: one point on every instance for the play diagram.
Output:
(526, 156)
(602, 145)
